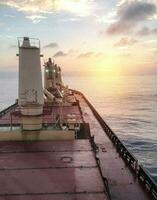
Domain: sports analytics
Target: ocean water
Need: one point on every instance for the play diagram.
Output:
(128, 104)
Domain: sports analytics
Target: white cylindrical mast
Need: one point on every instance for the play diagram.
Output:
(50, 75)
(30, 84)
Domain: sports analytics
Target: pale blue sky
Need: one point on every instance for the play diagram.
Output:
(113, 36)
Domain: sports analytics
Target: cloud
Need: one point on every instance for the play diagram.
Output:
(107, 19)
(59, 54)
(51, 45)
(78, 7)
(90, 54)
(70, 19)
(125, 42)
(86, 55)
(35, 18)
(147, 31)
(130, 14)
(29, 6)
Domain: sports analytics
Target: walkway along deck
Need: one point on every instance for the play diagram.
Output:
(127, 180)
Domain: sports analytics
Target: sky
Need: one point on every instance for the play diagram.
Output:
(102, 37)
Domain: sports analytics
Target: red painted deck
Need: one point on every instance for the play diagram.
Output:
(49, 170)
(64, 170)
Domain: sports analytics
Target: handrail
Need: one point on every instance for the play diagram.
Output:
(34, 42)
(138, 169)
(3, 112)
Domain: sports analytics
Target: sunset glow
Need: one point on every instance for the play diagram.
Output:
(84, 36)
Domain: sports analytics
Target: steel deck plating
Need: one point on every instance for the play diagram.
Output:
(49, 170)
(66, 170)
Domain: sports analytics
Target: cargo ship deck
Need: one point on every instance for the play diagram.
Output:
(80, 168)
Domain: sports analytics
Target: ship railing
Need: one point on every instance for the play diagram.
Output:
(34, 42)
(139, 171)
(147, 181)
(6, 110)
